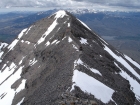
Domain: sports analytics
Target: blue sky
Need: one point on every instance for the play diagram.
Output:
(122, 5)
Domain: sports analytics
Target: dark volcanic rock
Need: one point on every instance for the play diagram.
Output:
(60, 61)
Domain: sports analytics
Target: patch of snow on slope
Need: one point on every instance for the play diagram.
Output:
(75, 47)
(22, 32)
(134, 84)
(83, 41)
(68, 24)
(32, 62)
(22, 41)
(84, 24)
(103, 40)
(122, 61)
(91, 85)
(54, 41)
(69, 40)
(27, 42)
(6, 88)
(133, 62)
(3, 45)
(21, 60)
(49, 30)
(48, 43)
(7, 72)
(28, 30)
(21, 86)
(79, 61)
(59, 14)
(21, 101)
(3, 66)
(12, 45)
(1, 53)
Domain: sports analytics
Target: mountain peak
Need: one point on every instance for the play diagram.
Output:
(60, 14)
(60, 60)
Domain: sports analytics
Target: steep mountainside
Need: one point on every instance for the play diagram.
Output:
(59, 60)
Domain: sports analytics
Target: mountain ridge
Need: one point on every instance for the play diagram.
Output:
(60, 54)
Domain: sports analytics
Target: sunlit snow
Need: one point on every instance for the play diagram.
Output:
(21, 86)
(83, 41)
(6, 88)
(27, 42)
(32, 62)
(48, 43)
(84, 24)
(91, 85)
(22, 32)
(134, 84)
(133, 62)
(7, 72)
(21, 101)
(12, 45)
(68, 24)
(59, 14)
(29, 29)
(79, 61)
(122, 61)
(69, 40)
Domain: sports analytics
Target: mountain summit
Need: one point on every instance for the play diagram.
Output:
(60, 61)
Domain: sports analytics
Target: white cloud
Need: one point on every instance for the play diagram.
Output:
(96, 4)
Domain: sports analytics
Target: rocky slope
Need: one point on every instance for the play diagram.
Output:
(59, 60)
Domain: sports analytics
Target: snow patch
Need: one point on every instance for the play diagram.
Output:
(101, 56)
(22, 32)
(49, 30)
(3, 45)
(57, 42)
(54, 41)
(68, 24)
(32, 62)
(21, 101)
(91, 85)
(83, 41)
(21, 60)
(75, 47)
(22, 41)
(1, 53)
(28, 30)
(79, 61)
(132, 61)
(134, 84)
(122, 61)
(3, 66)
(84, 24)
(12, 45)
(103, 40)
(48, 43)
(21, 86)
(27, 42)
(7, 72)
(69, 40)
(6, 88)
